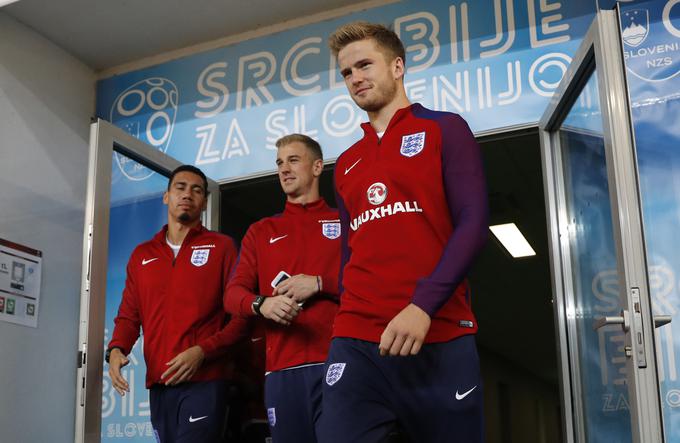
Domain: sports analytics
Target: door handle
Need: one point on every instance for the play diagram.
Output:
(661, 320)
(623, 320)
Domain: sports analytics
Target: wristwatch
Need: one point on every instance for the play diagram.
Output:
(107, 356)
(257, 304)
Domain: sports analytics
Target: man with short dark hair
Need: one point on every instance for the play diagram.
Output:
(412, 202)
(287, 275)
(173, 291)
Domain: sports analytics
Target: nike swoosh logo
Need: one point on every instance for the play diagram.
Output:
(192, 419)
(274, 240)
(464, 394)
(256, 339)
(146, 262)
(350, 168)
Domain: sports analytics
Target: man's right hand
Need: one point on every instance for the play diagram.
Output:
(280, 309)
(116, 361)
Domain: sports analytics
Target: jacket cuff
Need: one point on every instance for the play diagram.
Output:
(119, 345)
(247, 306)
(208, 348)
(330, 285)
(429, 297)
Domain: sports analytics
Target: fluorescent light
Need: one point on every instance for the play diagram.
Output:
(513, 240)
(6, 2)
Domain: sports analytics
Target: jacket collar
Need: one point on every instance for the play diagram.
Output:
(396, 118)
(297, 208)
(193, 232)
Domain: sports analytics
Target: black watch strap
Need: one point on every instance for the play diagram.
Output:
(257, 304)
(107, 355)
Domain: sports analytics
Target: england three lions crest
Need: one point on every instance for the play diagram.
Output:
(334, 373)
(200, 257)
(331, 230)
(412, 144)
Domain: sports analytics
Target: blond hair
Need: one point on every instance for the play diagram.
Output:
(386, 39)
(312, 145)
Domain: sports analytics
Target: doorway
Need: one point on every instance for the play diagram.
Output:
(512, 298)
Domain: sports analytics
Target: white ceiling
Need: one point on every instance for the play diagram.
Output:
(105, 34)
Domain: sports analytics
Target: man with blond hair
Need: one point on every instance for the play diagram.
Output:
(287, 275)
(413, 210)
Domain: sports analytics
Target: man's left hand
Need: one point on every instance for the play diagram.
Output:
(405, 334)
(298, 287)
(184, 365)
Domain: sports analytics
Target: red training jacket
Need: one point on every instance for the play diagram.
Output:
(414, 214)
(302, 240)
(178, 303)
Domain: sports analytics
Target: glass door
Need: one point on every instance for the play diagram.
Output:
(126, 182)
(602, 303)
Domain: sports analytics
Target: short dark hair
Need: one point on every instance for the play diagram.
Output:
(311, 144)
(193, 170)
(384, 37)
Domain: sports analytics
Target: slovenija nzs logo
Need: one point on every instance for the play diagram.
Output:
(146, 110)
(651, 47)
(412, 144)
(334, 373)
(331, 230)
(635, 24)
(200, 257)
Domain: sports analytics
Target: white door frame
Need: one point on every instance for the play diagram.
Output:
(601, 49)
(105, 139)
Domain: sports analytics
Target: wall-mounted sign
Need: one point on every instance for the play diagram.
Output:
(497, 63)
(20, 268)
